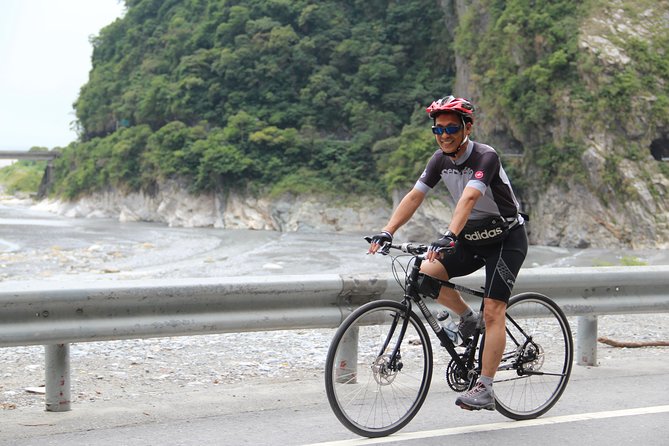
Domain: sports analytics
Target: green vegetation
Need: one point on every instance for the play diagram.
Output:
(624, 261)
(524, 60)
(632, 261)
(648, 64)
(633, 94)
(22, 177)
(271, 95)
(296, 96)
(525, 67)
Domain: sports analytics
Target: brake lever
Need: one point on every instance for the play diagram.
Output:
(385, 249)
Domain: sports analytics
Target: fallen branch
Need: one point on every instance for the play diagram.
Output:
(620, 344)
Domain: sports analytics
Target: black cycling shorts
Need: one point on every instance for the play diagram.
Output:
(502, 261)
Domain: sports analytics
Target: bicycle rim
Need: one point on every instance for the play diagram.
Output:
(371, 394)
(537, 360)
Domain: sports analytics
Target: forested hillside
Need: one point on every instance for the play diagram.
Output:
(272, 94)
(262, 97)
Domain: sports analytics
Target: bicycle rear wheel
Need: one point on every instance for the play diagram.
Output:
(372, 391)
(537, 360)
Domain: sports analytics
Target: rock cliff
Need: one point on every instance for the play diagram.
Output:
(622, 197)
(172, 205)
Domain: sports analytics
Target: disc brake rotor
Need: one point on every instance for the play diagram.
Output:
(382, 371)
(533, 357)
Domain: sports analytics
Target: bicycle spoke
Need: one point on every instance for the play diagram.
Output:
(392, 375)
(537, 360)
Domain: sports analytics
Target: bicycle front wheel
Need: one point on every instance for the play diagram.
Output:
(537, 360)
(378, 368)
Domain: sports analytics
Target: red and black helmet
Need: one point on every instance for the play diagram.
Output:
(460, 106)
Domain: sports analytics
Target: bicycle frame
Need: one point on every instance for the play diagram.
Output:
(411, 294)
(464, 361)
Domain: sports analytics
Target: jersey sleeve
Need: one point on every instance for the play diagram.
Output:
(430, 176)
(486, 168)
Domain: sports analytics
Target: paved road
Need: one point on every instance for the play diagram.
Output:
(623, 401)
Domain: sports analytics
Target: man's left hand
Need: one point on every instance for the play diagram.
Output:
(445, 244)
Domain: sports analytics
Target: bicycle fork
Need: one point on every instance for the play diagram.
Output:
(394, 359)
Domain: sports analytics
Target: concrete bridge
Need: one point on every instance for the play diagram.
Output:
(47, 156)
(25, 155)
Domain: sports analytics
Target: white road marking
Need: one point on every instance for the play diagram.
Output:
(497, 426)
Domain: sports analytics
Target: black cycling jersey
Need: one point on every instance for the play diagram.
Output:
(480, 168)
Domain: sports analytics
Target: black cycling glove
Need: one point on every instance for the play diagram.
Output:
(382, 238)
(446, 243)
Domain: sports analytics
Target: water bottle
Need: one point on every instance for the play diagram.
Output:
(450, 327)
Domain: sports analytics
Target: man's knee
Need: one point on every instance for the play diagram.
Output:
(434, 269)
(494, 311)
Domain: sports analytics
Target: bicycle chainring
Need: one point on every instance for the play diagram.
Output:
(457, 378)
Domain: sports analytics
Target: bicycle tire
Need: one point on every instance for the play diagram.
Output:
(370, 398)
(537, 361)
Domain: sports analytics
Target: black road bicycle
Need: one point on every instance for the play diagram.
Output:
(379, 364)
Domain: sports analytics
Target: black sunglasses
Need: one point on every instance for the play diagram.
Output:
(449, 130)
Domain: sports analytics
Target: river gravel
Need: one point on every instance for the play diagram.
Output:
(130, 369)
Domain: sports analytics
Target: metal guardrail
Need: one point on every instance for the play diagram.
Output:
(33, 313)
(56, 314)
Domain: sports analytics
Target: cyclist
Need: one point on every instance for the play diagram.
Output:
(487, 228)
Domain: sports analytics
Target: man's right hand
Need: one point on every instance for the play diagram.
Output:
(379, 240)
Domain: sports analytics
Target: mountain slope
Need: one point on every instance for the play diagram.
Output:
(268, 98)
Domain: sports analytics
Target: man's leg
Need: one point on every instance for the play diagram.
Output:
(448, 297)
(495, 339)
(502, 267)
(481, 396)
(452, 299)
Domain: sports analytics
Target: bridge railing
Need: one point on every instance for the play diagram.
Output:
(28, 155)
(56, 314)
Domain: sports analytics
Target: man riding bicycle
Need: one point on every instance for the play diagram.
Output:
(486, 229)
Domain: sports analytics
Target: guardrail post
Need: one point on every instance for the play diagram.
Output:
(586, 342)
(57, 377)
(347, 359)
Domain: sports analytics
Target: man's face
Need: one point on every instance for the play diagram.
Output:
(449, 143)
